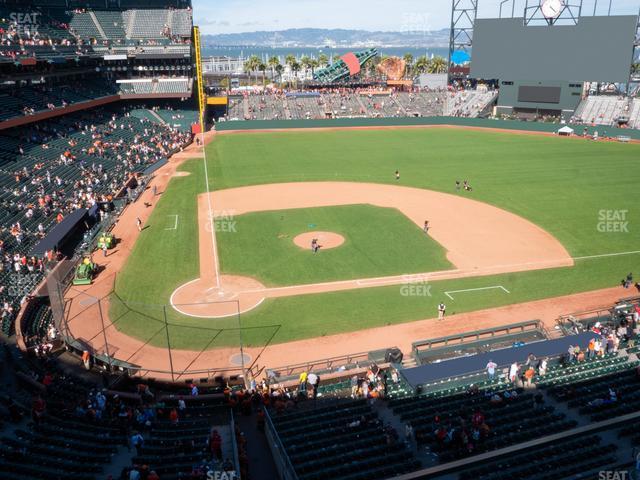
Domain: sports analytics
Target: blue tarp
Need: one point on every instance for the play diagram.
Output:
(460, 57)
(57, 235)
(503, 358)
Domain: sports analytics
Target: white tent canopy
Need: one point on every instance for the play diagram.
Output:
(566, 131)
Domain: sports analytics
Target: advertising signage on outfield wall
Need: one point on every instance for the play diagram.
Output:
(597, 49)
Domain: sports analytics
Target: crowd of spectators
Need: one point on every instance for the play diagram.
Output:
(31, 33)
(55, 167)
(371, 102)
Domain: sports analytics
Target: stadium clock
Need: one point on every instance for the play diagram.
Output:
(551, 9)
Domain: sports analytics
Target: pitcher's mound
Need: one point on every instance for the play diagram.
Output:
(202, 298)
(325, 239)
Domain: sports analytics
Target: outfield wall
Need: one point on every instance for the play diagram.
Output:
(418, 121)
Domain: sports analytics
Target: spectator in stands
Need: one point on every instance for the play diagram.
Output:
(38, 409)
(137, 441)
(513, 372)
(528, 375)
(215, 444)
(491, 369)
(542, 369)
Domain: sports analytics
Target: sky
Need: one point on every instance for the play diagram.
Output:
(234, 16)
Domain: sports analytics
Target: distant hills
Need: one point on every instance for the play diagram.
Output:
(335, 38)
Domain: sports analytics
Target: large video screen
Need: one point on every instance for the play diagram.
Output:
(539, 94)
(596, 49)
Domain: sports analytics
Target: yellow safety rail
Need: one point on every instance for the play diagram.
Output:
(201, 99)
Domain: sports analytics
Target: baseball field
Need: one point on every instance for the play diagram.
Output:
(547, 216)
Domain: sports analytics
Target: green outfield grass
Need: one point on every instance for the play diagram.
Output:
(378, 242)
(569, 187)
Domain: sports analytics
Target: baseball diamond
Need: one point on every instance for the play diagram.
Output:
(362, 242)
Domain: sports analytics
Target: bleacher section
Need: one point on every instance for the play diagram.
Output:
(353, 104)
(601, 110)
(58, 173)
(342, 441)
(171, 449)
(37, 98)
(180, 119)
(561, 459)
(83, 25)
(438, 424)
(72, 34)
(182, 86)
(469, 103)
(111, 23)
(634, 114)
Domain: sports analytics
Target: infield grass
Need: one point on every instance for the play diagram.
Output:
(569, 187)
(379, 242)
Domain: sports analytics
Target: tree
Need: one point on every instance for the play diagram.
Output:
(251, 65)
(289, 59)
(279, 70)
(263, 68)
(438, 65)
(323, 60)
(305, 63)
(422, 64)
(408, 59)
(295, 68)
(314, 64)
(273, 63)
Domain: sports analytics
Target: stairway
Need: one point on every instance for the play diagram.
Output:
(409, 362)
(131, 22)
(170, 16)
(94, 19)
(156, 116)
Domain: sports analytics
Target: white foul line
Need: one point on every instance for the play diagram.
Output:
(216, 265)
(619, 254)
(175, 225)
(475, 290)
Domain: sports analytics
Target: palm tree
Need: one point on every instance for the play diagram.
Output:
(251, 65)
(279, 70)
(263, 68)
(314, 64)
(422, 64)
(289, 59)
(408, 59)
(438, 65)
(323, 60)
(273, 63)
(305, 63)
(295, 68)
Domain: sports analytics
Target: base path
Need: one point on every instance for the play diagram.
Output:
(480, 239)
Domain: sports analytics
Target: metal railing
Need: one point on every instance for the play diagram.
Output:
(280, 456)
